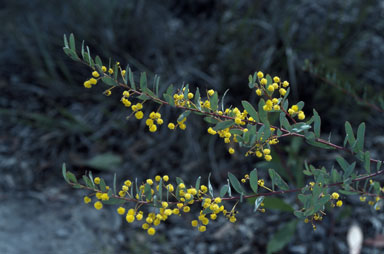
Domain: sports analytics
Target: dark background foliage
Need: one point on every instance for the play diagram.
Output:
(47, 117)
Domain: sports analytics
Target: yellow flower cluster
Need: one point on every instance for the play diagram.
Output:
(184, 196)
(294, 110)
(153, 119)
(181, 124)
(92, 81)
(263, 87)
(335, 196)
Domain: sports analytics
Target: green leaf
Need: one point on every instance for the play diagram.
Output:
(114, 184)
(299, 215)
(103, 186)
(98, 61)
(223, 125)
(360, 137)
(300, 105)
(115, 72)
(345, 192)
(342, 162)
(299, 127)
(185, 91)
(317, 123)
(161, 189)
(349, 132)
(72, 42)
(235, 183)
(222, 100)
(197, 98)
(131, 79)
(210, 188)
(88, 58)
(179, 181)
(236, 131)
(114, 201)
(211, 120)
(109, 81)
(258, 202)
(64, 168)
(105, 161)
(251, 84)
(305, 199)
(310, 136)
(71, 54)
(87, 181)
(143, 82)
(91, 177)
(262, 113)
(157, 84)
(66, 45)
(267, 131)
(335, 176)
(223, 190)
(282, 237)
(378, 165)
(229, 188)
(253, 179)
(71, 177)
(197, 185)
(184, 115)
(214, 100)
(147, 192)
(349, 170)
(319, 204)
(168, 96)
(251, 110)
(367, 162)
(137, 189)
(82, 48)
(143, 97)
(277, 180)
(274, 203)
(318, 144)
(284, 122)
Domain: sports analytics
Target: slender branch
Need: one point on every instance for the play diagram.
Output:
(286, 132)
(272, 193)
(345, 91)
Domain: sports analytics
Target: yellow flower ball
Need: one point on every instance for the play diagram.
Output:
(95, 74)
(98, 205)
(301, 116)
(87, 199)
(139, 115)
(97, 180)
(171, 126)
(121, 210)
(151, 231)
(87, 84)
(130, 218)
(194, 223)
(202, 228)
(335, 195)
(153, 128)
